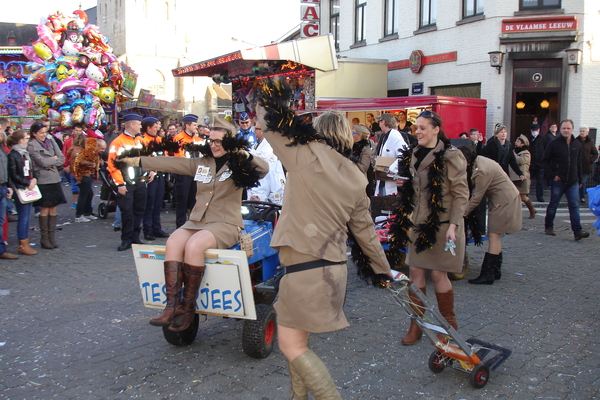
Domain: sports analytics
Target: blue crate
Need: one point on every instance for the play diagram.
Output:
(261, 239)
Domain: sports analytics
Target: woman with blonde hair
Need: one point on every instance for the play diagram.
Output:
(324, 197)
(523, 158)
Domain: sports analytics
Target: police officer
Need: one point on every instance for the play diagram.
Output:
(246, 130)
(185, 187)
(156, 183)
(131, 197)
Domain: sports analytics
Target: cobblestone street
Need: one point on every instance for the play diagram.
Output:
(74, 327)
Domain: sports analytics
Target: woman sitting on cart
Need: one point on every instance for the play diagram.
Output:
(324, 196)
(215, 219)
(434, 191)
(487, 178)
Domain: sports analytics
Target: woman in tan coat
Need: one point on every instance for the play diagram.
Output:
(436, 195)
(214, 221)
(504, 208)
(523, 157)
(324, 197)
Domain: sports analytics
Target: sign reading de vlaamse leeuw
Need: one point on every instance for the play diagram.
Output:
(557, 23)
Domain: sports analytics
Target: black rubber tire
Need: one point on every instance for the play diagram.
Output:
(184, 337)
(436, 363)
(103, 210)
(465, 269)
(480, 376)
(258, 336)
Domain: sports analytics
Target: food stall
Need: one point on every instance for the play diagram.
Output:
(310, 65)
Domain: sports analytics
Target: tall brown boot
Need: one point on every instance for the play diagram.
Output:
(414, 332)
(25, 248)
(446, 308)
(184, 312)
(530, 207)
(299, 390)
(44, 231)
(315, 376)
(52, 230)
(173, 281)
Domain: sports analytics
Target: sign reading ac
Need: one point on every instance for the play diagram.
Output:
(311, 17)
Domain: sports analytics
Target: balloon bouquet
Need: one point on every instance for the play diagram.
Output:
(74, 71)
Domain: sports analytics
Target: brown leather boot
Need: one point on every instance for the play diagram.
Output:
(184, 312)
(25, 248)
(173, 281)
(414, 332)
(316, 377)
(446, 308)
(299, 390)
(530, 207)
(52, 230)
(44, 231)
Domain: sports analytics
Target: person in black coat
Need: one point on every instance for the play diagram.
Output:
(537, 147)
(499, 150)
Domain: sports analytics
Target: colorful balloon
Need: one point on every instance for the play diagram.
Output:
(54, 116)
(47, 37)
(95, 73)
(43, 51)
(59, 99)
(66, 119)
(31, 55)
(78, 114)
(70, 48)
(106, 94)
(97, 40)
(90, 118)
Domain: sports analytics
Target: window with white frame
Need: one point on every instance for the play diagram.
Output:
(472, 8)
(428, 12)
(334, 21)
(359, 21)
(391, 18)
(532, 4)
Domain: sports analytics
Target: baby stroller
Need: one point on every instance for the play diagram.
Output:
(108, 193)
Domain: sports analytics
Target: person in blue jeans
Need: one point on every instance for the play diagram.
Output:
(562, 163)
(21, 176)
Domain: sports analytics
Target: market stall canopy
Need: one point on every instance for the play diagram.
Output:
(316, 52)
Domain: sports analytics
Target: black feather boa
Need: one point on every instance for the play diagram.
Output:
(243, 173)
(275, 99)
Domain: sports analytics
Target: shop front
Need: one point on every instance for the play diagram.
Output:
(538, 69)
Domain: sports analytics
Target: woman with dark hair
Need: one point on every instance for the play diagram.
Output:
(21, 177)
(433, 177)
(403, 124)
(324, 197)
(499, 150)
(487, 178)
(46, 157)
(215, 219)
(523, 157)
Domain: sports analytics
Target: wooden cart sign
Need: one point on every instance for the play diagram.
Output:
(226, 289)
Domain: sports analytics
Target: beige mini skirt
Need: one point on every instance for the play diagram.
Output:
(225, 234)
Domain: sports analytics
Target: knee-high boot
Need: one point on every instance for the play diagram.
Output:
(299, 390)
(498, 268)
(530, 207)
(52, 230)
(173, 282)
(315, 376)
(446, 308)
(414, 332)
(184, 312)
(44, 231)
(490, 261)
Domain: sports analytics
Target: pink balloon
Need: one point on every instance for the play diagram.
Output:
(31, 55)
(46, 36)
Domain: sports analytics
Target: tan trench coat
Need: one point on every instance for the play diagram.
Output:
(455, 194)
(504, 202)
(324, 196)
(524, 160)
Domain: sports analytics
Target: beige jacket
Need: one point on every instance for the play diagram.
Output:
(216, 201)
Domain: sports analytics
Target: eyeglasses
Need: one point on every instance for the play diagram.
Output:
(425, 114)
(216, 142)
(499, 127)
(244, 122)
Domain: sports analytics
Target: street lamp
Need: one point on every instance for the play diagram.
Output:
(574, 57)
(496, 59)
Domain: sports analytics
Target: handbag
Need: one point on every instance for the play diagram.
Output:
(29, 196)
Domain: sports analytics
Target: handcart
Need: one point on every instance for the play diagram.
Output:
(234, 285)
(472, 356)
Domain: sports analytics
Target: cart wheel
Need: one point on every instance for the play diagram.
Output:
(102, 210)
(258, 336)
(184, 337)
(465, 268)
(479, 376)
(437, 362)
